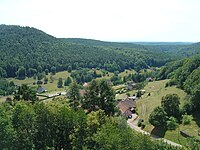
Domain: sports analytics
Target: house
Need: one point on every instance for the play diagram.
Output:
(127, 107)
(41, 90)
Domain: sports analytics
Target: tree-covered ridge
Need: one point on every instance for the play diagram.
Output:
(24, 49)
(103, 43)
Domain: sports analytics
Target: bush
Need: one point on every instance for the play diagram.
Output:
(186, 119)
(143, 126)
(172, 123)
(39, 82)
(140, 122)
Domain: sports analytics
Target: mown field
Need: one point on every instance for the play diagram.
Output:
(49, 86)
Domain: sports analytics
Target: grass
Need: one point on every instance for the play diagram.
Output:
(126, 73)
(146, 104)
(52, 87)
(49, 86)
(157, 90)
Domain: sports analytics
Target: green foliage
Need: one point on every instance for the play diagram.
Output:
(69, 69)
(68, 81)
(25, 93)
(31, 48)
(21, 73)
(74, 95)
(46, 71)
(186, 119)
(170, 104)
(2, 73)
(6, 87)
(60, 83)
(24, 119)
(172, 123)
(158, 117)
(45, 80)
(54, 125)
(100, 95)
(53, 70)
(84, 75)
(7, 132)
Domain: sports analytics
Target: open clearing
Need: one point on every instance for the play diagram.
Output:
(146, 104)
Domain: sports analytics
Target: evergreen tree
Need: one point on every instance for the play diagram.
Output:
(69, 69)
(74, 95)
(68, 81)
(60, 83)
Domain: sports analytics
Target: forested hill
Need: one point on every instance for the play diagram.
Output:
(92, 42)
(24, 51)
(185, 74)
(178, 50)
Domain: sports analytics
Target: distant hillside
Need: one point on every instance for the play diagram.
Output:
(91, 42)
(26, 51)
(163, 43)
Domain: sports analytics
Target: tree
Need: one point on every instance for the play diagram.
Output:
(186, 119)
(60, 83)
(106, 97)
(39, 76)
(158, 117)
(69, 69)
(2, 72)
(170, 104)
(7, 132)
(74, 95)
(21, 73)
(25, 93)
(53, 70)
(45, 80)
(91, 99)
(46, 71)
(172, 123)
(31, 72)
(39, 69)
(68, 81)
(24, 119)
(100, 95)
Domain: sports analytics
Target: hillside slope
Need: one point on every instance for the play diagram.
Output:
(23, 49)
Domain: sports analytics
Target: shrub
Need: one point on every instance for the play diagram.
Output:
(172, 123)
(140, 122)
(186, 119)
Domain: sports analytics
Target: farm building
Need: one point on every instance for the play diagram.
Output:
(127, 107)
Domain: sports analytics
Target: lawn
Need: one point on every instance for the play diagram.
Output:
(49, 86)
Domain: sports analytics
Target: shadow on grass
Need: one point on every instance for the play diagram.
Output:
(158, 132)
(196, 117)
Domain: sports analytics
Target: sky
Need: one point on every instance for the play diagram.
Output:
(108, 20)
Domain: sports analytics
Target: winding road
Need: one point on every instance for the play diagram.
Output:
(138, 129)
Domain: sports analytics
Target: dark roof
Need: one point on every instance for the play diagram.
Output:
(41, 89)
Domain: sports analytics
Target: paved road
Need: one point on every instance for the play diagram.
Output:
(136, 128)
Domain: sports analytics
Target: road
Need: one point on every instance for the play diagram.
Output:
(138, 129)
